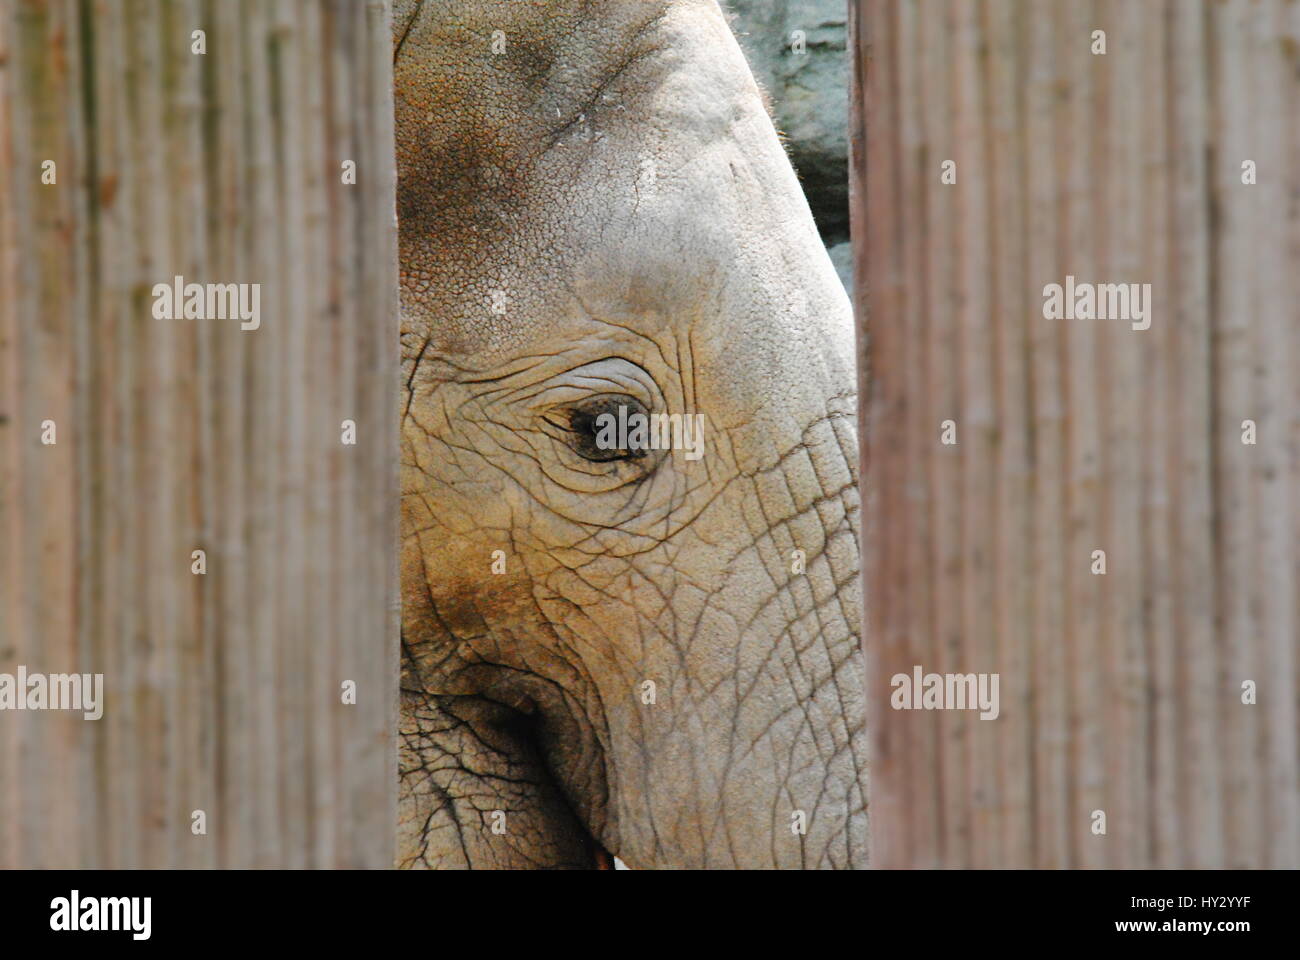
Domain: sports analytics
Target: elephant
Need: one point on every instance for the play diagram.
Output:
(616, 650)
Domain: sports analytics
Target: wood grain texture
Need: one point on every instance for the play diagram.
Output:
(1121, 692)
(222, 691)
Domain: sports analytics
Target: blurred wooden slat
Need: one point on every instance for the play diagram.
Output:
(1198, 757)
(1086, 351)
(1012, 593)
(976, 377)
(1045, 123)
(1275, 58)
(223, 692)
(1122, 692)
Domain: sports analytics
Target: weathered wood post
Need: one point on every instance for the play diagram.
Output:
(1103, 514)
(202, 509)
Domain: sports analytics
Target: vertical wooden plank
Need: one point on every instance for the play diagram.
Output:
(1198, 699)
(1126, 734)
(293, 270)
(977, 782)
(1087, 88)
(375, 503)
(916, 631)
(1120, 693)
(1157, 821)
(1042, 128)
(1010, 318)
(915, 627)
(1237, 210)
(228, 598)
(1275, 320)
(1289, 42)
(222, 690)
(330, 367)
(943, 294)
(322, 434)
(875, 194)
(262, 472)
(10, 444)
(46, 54)
(342, 143)
(185, 431)
(114, 244)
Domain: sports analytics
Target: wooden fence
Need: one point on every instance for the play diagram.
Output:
(1162, 693)
(1147, 715)
(219, 158)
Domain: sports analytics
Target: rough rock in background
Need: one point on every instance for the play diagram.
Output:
(797, 50)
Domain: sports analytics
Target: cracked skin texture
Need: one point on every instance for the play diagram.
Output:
(605, 208)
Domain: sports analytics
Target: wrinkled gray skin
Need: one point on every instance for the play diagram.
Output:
(615, 177)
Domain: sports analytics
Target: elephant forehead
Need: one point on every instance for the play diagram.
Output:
(579, 174)
(483, 89)
(559, 47)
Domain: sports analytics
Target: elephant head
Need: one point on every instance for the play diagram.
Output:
(615, 646)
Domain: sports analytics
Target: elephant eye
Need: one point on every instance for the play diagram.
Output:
(605, 428)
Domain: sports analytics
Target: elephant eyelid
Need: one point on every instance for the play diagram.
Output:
(560, 419)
